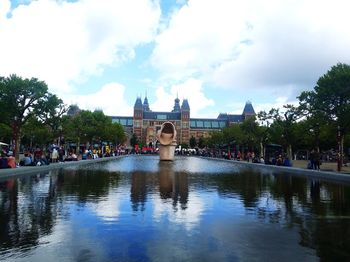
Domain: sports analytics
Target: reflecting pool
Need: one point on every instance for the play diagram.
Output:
(137, 208)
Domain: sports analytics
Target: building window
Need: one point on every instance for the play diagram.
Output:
(207, 124)
(215, 124)
(137, 123)
(199, 123)
(161, 117)
(193, 123)
(222, 124)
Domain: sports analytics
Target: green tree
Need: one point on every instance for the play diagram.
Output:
(133, 140)
(251, 133)
(115, 133)
(233, 134)
(193, 142)
(36, 133)
(282, 129)
(5, 133)
(20, 99)
(331, 97)
(50, 112)
(215, 139)
(201, 142)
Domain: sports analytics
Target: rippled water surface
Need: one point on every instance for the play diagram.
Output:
(140, 209)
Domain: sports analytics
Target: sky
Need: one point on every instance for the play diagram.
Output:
(218, 54)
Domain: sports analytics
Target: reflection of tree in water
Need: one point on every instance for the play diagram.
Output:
(246, 184)
(26, 215)
(87, 185)
(30, 206)
(320, 210)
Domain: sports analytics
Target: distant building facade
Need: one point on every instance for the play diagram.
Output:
(145, 123)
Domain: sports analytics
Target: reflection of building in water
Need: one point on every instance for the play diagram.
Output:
(138, 191)
(171, 185)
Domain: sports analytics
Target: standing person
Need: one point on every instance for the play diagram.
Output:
(317, 160)
(311, 160)
(37, 154)
(54, 155)
(61, 153)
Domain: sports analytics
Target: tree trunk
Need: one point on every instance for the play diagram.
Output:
(18, 144)
(341, 151)
(78, 147)
(289, 152)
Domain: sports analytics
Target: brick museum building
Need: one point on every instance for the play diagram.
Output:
(145, 123)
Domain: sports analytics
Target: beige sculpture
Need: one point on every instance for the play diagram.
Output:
(167, 139)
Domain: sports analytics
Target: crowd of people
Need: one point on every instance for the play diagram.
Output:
(7, 160)
(56, 154)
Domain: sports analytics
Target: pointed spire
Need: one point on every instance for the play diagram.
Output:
(248, 109)
(138, 103)
(185, 105)
(145, 104)
(176, 105)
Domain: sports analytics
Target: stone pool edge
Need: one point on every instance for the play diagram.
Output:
(14, 172)
(314, 174)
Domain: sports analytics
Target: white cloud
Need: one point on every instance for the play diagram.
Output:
(4, 9)
(108, 209)
(191, 89)
(64, 43)
(200, 35)
(110, 98)
(254, 44)
(189, 217)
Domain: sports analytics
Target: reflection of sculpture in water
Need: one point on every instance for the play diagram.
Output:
(167, 139)
(171, 185)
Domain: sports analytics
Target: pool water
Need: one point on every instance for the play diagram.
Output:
(138, 208)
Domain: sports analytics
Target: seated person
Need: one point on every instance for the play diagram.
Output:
(287, 162)
(3, 161)
(71, 157)
(279, 161)
(11, 161)
(44, 160)
(27, 160)
(74, 157)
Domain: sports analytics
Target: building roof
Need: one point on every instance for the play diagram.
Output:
(248, 108)
(138, 103)
(145, 104)
(185, 105)
(230, 118)
(177, 105)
